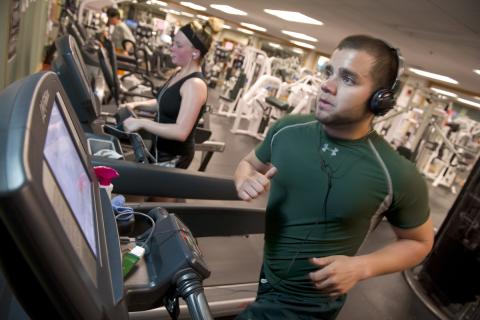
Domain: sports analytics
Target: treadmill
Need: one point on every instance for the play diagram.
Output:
(71, 70)
(62, 253)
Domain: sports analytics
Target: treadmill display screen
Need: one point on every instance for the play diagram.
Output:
(70, 174)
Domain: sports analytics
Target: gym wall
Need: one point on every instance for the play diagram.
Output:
(28, 39)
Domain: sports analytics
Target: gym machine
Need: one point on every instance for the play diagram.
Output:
(62, 243)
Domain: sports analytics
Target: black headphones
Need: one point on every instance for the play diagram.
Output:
(383, 100)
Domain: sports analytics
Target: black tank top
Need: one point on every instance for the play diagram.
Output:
(169, 103)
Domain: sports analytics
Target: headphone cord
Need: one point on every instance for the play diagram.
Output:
(328, 171)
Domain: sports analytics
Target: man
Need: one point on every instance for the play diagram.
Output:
(332, 177)
(120, 32)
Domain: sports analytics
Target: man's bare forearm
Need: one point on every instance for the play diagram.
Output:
(395, 257)
(408, 251)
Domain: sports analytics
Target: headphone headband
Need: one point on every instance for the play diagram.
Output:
(192, 37)
(400, 67)
(383, 100)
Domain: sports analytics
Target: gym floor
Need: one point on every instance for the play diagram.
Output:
(382, 298)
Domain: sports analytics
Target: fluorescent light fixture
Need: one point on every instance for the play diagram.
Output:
(158, 3)
(322, 60)
(444, 92)
(174, 12)
(202, 17)
(293, 16)
(299, 35)
(275, 45)
(253, 26)
(303, 44)
(469, 102)
(477, 71)
(228, 9)
(226, 26)
(297, 50)
(432, 75)
(193, 6)
(186, 14)
(245, 31)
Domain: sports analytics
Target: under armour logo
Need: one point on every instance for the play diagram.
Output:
(333, 152)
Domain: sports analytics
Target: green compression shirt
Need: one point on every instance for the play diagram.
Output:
(328, 194)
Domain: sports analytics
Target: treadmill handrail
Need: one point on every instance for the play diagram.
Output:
(234, 219)
(210, 145)
(151, 180)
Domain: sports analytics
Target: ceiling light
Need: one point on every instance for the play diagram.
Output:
(433, 76)
(302, 44)
(228, 9)
(275, 45)
(253, 26)
(293, 16)
(193, 6)
(299, 35)
(174, 12)
(469, 102)
(245, 31)
(477, 71)
(186, 14)
(158, 3)
(444, 92)
(202, 17)
(297, 50)
(322, 61)
(226, 26)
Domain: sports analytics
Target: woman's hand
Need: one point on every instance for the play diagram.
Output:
(130, 106)
(132, 124)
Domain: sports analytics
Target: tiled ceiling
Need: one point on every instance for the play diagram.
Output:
(441, 36)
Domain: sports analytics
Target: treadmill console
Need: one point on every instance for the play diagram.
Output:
(58, 232)
(72, 70)
(172, 252)
(61, 253)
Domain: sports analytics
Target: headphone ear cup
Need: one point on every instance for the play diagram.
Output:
(381, 102)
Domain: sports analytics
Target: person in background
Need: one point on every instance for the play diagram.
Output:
(332, 179)
(121, 31)
(182, 98)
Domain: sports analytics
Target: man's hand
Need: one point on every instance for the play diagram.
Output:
(132, 124)
(337, 274)
(255, 184)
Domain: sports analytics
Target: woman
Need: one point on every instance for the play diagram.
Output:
(181, 100)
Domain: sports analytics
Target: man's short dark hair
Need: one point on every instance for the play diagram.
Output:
(113, 12)
(385, 69)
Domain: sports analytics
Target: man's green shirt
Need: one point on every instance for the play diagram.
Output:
(328, 194)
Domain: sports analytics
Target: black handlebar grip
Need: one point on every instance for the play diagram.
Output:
(137, 146)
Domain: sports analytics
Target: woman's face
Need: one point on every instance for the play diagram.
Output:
(182, 50)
